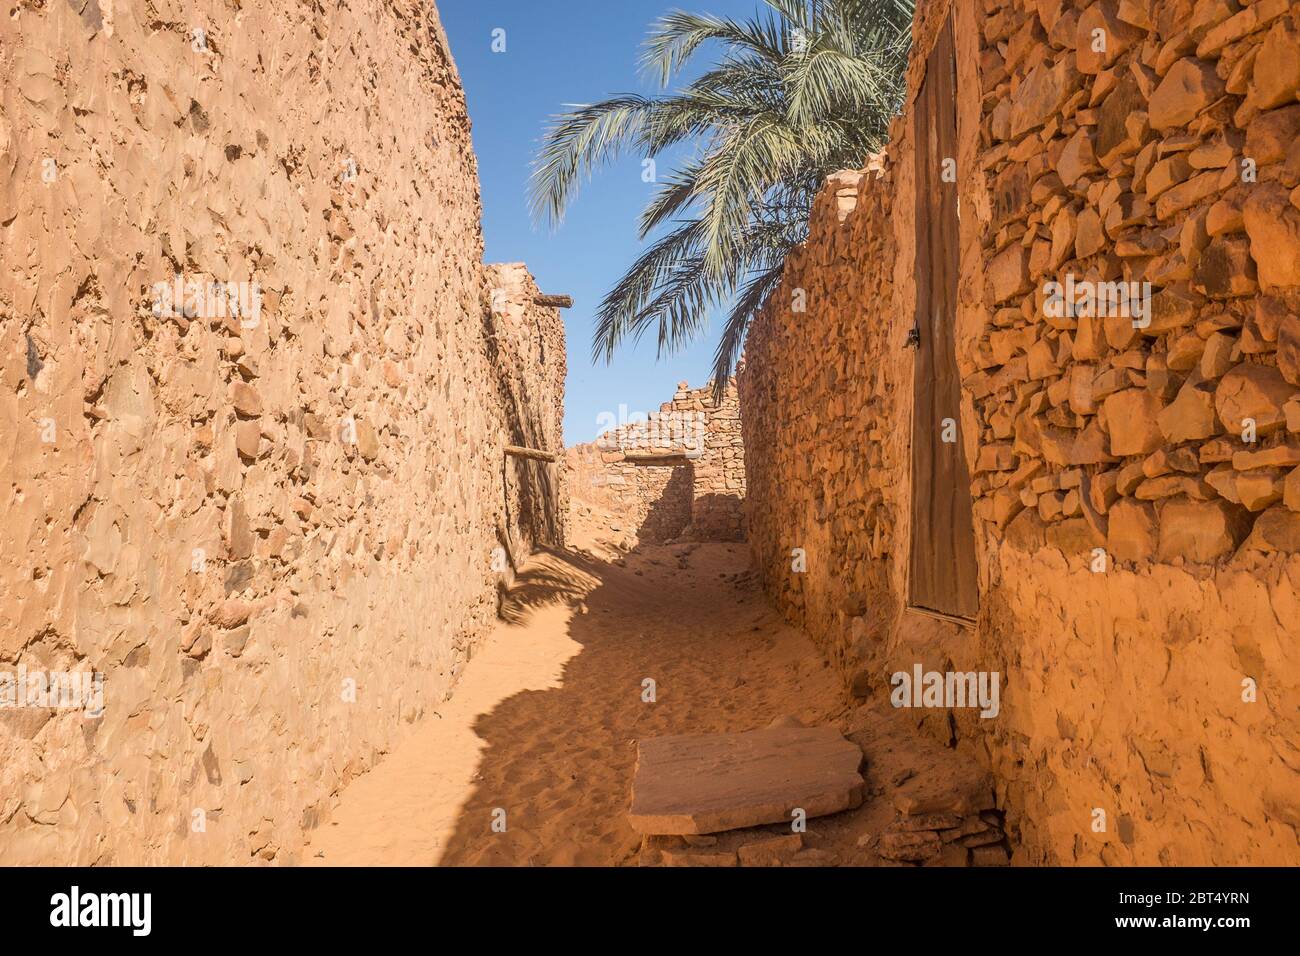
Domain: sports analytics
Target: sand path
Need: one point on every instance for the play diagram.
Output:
(544, 721)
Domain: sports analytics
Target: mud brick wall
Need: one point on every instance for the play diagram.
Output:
(696, 494)
(272, 533)
(1167, 153)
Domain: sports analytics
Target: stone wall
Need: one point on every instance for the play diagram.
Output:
(650, 502)
(678, 472)
(1138, 551)
(269, 527)
(822, 421)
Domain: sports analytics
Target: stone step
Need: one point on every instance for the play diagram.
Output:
(718, 782)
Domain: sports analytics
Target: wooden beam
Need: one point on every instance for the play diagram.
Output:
(534, 453)
(655, 458)
(554, 301)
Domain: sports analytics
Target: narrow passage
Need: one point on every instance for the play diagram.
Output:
(544, 722)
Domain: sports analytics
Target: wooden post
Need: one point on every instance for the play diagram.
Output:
(534, 453)
(656, 458)
(554, 301)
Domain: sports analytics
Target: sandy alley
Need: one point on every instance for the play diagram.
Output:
(541, 729)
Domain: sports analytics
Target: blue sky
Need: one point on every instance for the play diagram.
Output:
(558, 52)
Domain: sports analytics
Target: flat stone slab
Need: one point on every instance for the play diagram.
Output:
(715, 782)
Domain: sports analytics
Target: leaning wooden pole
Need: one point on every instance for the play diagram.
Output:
(536, 454)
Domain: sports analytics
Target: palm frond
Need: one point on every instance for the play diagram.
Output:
(752, 297)
(577, 143)
(621, 311)
(801, 89)
(677, 36)
(674, 195)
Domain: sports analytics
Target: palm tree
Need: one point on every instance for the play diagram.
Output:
(797, 92)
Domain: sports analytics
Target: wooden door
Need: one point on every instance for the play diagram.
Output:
(943, 576)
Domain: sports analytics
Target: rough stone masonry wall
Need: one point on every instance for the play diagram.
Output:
(701, 499)
(271, 533)
(1123, 687)
(818, 394)
(653, 502)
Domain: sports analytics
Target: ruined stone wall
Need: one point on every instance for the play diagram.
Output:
(270, 528)
(1138, 553)
(718, 489)
(676, 472)
(652, 502)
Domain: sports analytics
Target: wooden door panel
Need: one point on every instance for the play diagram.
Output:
(943, 569)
